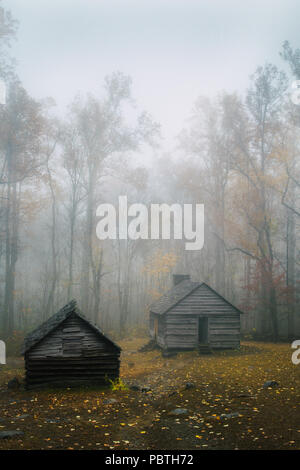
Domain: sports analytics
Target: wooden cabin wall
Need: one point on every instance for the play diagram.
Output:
(73, 353)
(161, 340)
(205, 302)
(160, 337)
(224, 331)
(151, 324)
(181, 330)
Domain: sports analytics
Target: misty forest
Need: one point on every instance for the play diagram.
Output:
(238, 154)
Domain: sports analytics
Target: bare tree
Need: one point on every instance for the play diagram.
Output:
(21, 130)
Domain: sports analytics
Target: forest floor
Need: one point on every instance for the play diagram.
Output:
(225, 406)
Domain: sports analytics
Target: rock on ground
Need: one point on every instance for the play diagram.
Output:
(13, 384)
(235, 414)
(9, 434)
(270, 384)
(178, 411)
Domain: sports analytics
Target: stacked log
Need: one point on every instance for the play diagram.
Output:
(74, 353)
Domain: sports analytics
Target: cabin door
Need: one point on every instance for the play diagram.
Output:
(203, 330)
(155, 327)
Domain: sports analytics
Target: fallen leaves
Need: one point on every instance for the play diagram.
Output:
(227, 406)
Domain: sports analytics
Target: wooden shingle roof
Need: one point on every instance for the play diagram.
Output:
(173, 296)
(54, 321)
(179, 292)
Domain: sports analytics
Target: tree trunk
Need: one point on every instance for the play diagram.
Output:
(290, 270)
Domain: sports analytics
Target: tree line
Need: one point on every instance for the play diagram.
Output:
(238, 156)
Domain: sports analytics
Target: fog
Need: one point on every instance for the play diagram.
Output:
(174, 53)
(182, 102)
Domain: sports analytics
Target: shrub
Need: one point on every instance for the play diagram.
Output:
(118, 384)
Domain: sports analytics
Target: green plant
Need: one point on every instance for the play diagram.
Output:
(118, 384)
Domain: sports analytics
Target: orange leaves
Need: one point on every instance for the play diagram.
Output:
(160, 263)
(227, 408)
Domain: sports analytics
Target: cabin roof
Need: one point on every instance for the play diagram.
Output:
(179, 292)
(54, 321)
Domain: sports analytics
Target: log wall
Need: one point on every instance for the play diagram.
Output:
(180, 324)
(74, 353)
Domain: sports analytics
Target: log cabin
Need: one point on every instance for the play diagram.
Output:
(69, 350)
(192, 315)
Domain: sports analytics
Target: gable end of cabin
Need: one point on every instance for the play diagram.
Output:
(202, 317)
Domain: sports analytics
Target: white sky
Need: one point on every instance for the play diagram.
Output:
(174, 50)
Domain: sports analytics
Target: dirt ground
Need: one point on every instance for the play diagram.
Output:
(225, 405)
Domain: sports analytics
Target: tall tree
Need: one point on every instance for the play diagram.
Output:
(253, 128)
(73, 163)
(103, 133)
(20, 137)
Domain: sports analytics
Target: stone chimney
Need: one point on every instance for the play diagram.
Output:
(177, 278)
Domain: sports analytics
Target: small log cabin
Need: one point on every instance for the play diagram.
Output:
(69, 350)
(193, 315)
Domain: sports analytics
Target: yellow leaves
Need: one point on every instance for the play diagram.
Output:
(217, 417)
(227, 383)
(161, 262)
(31, 204)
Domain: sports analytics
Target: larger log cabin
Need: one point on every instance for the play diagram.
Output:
(193, 315)
(69, 350)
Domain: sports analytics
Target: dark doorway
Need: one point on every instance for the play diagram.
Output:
(155, 327)
(203, 330)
